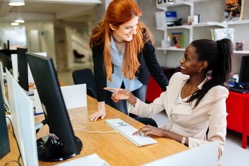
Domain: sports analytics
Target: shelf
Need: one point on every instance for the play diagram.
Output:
(241, 52)
(180, 27)
(201, 0)
(164, 6)
(206, 24)
(170, 49)
(160, 29)
(238, 22)
(183, 49)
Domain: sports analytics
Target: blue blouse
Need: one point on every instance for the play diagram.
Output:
(117, 76)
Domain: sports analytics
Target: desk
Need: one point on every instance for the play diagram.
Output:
(112, 147)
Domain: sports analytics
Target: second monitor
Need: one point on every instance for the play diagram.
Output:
(61, 143)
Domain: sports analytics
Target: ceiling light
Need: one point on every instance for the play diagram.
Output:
(16, 2)
(14, 23)
(20, 20)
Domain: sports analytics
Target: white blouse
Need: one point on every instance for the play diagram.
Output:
(186, 121)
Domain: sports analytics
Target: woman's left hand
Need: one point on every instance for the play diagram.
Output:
(150, 130)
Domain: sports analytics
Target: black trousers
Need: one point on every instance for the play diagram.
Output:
(144, 120)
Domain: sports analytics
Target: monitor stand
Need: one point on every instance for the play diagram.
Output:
(51, 149)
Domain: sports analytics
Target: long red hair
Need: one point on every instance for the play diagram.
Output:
(118, 13)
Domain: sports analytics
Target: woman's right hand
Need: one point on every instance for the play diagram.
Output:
(121, 94)
(101, 113)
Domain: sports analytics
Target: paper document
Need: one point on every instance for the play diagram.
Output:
(89, 160)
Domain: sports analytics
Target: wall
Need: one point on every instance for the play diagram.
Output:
(44, 38)
(148, 8)
(214, 11)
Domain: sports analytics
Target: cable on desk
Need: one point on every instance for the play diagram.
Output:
(19, 157)
(89, 131)
(12, 161)
(6, 107)
(39, 125)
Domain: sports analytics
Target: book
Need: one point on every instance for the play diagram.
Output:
(233, 10)
(221, 33)
(177, 39)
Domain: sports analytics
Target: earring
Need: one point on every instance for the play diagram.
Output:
(199, 70)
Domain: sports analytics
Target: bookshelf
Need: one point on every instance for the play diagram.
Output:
(208, 20)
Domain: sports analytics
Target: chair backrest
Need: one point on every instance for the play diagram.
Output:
(85, 76)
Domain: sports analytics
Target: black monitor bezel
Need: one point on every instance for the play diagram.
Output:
(47, 84)
(4, 138)
(23, 79)
(244, 70)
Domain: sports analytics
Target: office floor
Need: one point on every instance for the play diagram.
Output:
(233, 155)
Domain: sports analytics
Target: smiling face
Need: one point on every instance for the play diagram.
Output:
(125, 31)
(190, 62)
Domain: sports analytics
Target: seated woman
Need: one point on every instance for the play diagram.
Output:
(194, 101)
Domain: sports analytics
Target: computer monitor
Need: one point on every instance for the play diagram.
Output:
(22, 117)
(244, 70)
(203, 155)
(4, 138)
(2, 85)
(5, 58)
(22, 68)
(62, 142)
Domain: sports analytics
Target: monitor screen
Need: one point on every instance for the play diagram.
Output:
(22, 68)
(66, 144)
(244, 70)
(4, 138)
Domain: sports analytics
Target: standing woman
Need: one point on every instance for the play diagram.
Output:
(123, 55)
(194, 102)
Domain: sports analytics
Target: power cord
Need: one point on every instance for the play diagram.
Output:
(90, 131)
(39, 125)
(19, 157)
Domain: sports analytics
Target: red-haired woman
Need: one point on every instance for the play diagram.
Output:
(123, 55)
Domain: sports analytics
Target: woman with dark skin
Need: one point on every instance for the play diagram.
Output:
(194, 102)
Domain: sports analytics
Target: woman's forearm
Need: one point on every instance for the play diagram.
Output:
(176, 137)
(132, 99)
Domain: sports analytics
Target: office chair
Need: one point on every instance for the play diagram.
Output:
(77, 56)
(85, 76)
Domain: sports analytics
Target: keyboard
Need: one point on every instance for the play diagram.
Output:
(127, 130)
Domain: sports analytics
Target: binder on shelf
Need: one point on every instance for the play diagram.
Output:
(177, 39)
